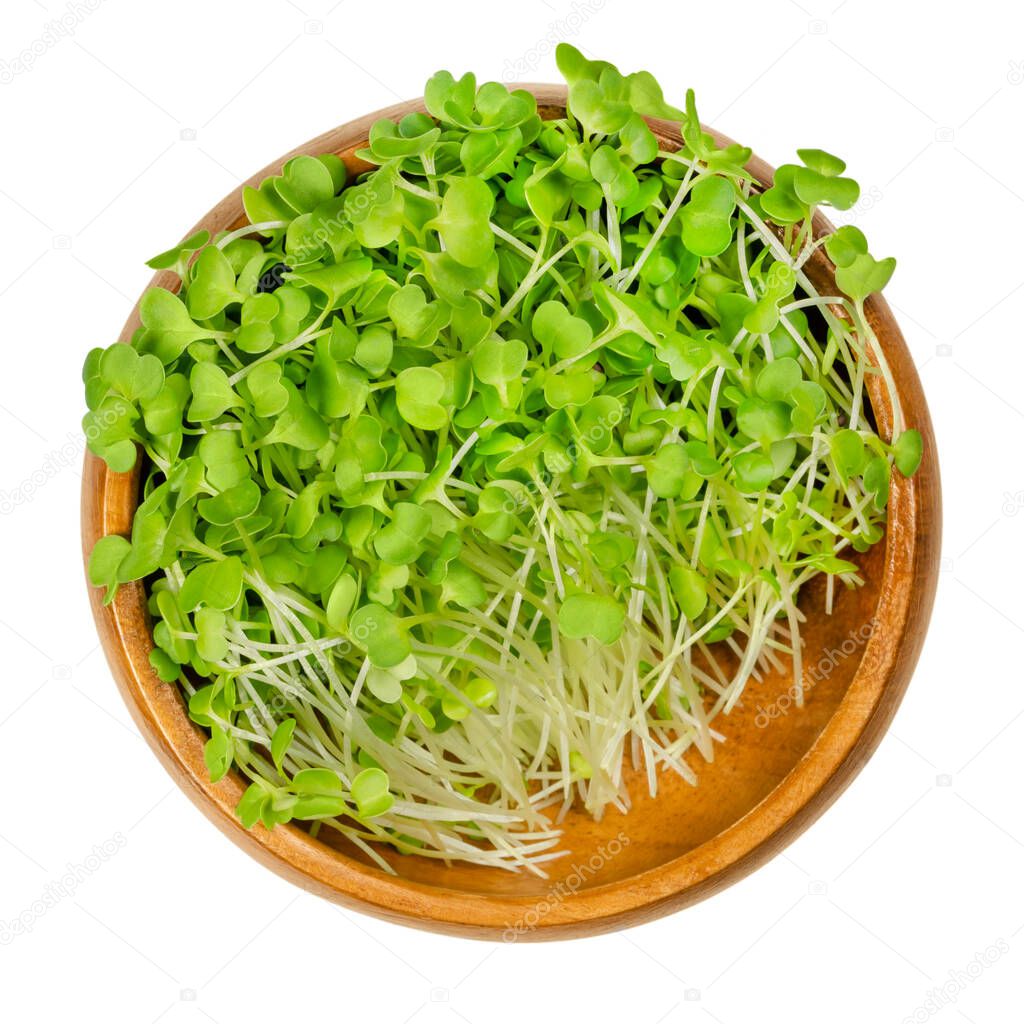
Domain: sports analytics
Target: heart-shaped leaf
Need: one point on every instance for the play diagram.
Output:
(214, 584)
(464, 221)
(212, 286)
(418, 392)
(212, 393)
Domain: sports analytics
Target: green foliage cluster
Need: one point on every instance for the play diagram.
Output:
(453, 474)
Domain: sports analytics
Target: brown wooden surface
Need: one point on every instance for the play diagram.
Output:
(765, 786)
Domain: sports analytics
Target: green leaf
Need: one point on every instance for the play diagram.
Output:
(568, 389)
(164, 412)
(299, 426)
(689, 589)
(401, 541)
(311, 808)
(559, 332)
(281, 740)
(614, 174)
(907, 451)
(375, 350)
(211, 641)
(384, 685)
(340, 603)
(763, 420)
(611, 550)
(337, 281)
(482, 692)
(646, 97)
(498, 362)
(212, 286)
(212, 394)
(591, 615)
(104, 561)
(754, 471)
(598, 108)
(133, 376)
(370, 790)
(666, 471)
(380, 634)
(417, 320)
(777, 379)
(305, 183)
(547, 193)
(317, 782)
(419, 391)
(414, 135)
(334, 389)
(169, 328)
(177, 258)
(858, 274)
(876, 480)
(865, 276)
(214, 584)
(574, 66)
(464, 221)
(269, 397)
(809, 401)
(706, 217)
(164, 665)
(849, 453)
(684, 356)
(250, 807)
(463, 587)
(218, 753)
(819, 181)
(238, 502)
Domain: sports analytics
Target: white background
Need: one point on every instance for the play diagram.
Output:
(127, 129)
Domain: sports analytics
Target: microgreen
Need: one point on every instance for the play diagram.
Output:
(455, 474)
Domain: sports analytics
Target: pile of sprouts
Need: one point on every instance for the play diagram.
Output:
(480, 485)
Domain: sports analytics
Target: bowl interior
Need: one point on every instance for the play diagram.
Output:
(776, 768)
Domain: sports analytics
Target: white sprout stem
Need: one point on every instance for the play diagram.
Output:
(250, 229)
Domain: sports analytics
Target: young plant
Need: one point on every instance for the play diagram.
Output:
(503, 466)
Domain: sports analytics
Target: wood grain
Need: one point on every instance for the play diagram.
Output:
(768, 782)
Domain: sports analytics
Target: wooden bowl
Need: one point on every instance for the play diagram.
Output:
(778, 769)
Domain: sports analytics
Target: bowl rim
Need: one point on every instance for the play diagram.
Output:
(906, 595)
